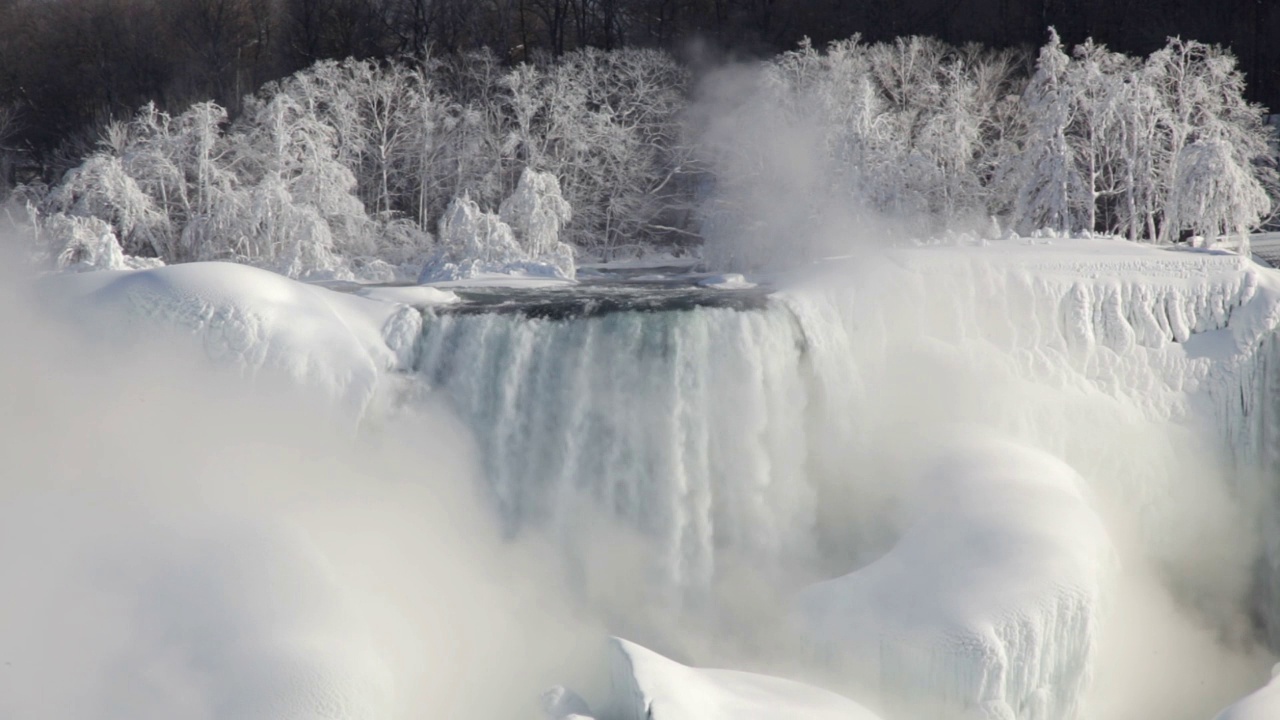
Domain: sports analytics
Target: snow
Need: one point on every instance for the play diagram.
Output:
(727, 281)
(988, 603)
(339, 346)
(1261, 705)
(414, 296)
(509, 277)
(648, 686)
(650, 261)
(83, 244)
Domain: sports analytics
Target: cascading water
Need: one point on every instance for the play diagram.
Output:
(690, 425)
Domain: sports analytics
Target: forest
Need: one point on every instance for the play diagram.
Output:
(68, 66)
(370, 165)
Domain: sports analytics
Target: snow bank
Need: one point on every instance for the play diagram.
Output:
(256, 321)
(1261, 705)
(648, 686)
(414, 296)
(988, 604)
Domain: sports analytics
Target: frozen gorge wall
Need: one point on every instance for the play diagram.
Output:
(789, 439)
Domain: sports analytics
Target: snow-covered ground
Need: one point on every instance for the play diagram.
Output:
(336, 345)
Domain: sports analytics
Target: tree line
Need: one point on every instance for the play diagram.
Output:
(69, 66)
(366, 167)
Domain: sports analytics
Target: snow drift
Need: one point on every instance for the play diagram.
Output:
(988, 604)
(648, 686)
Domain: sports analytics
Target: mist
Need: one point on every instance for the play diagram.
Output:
(179, 543)
(796, 183)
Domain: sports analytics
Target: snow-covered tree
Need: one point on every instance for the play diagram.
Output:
(1213, 195)
(522, 237)
(1051, 189)
(78, 243)
(102, 190)
(1210, 128)
(537, 212)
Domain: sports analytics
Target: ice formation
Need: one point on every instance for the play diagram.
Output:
(988, 604)
(1261, 705)
(340, 346)
(648, 686)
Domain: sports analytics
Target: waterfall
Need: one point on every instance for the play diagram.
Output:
(783, 433)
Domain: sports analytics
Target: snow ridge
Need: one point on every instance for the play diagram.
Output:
(988, 604)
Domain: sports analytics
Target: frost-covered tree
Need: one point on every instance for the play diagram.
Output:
(1213, 195)
(522, 237)
(537, 212)
(1215, 142)
(101, 189)
(1097, 78)
(1050, 184)
(348, 165)
(78, 243)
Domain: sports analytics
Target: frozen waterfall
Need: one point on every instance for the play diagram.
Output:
(790, 434)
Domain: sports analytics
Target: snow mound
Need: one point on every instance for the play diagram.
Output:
(727, 281)
(413, 296)
(648, 686)
(255, 321)
(987, 606)
(1261, 705)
